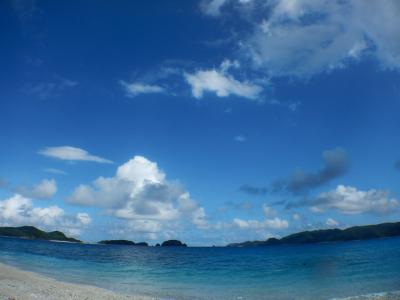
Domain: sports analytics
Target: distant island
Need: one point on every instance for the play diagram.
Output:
(173, 243)
(169, 243)
(30, 232)
(122, 242)
(305, 237)
(330, 235)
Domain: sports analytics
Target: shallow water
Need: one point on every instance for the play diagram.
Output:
(317, 271)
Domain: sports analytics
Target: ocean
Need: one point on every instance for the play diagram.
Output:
(314, 271)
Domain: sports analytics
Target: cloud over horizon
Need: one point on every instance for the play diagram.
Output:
(19, 211)
(140, 194)
(349, 200)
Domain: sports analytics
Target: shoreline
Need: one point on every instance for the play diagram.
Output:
(17, 284)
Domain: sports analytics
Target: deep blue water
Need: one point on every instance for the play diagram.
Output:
(318, 271)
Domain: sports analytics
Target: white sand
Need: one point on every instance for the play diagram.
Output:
(16, 284)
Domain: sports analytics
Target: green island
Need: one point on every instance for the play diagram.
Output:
(330, 235)
(122, 242)
(305, 237)
(31, 232)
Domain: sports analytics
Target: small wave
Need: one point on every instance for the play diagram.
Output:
(393, 295)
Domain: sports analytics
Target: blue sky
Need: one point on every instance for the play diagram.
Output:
(208, 121)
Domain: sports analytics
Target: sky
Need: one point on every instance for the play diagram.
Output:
(211, 121)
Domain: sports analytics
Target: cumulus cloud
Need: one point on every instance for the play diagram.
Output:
(221, 83)
(336, 163)
(307, 37)
(45, 189)
(134, 89)
(72, 154)
(350, 200)
(19, 210)
(140, 193)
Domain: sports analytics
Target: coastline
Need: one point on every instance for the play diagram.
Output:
(16, 284)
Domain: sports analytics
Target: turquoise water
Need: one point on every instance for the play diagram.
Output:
(318, 271)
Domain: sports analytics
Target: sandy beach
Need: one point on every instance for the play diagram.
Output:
(16, 284)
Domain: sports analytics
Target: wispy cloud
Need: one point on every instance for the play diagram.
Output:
(55, 171)
(240, 138)
(50, 89)
(213, 7)
(134, 89)
(285, 38)
(70, 153)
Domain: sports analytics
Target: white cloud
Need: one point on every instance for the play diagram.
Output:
(275, 223)
(213, 7)
(307, 37)
(45, 189)
(140, 193)
(72, 154)
(134, 89)
(228, 64)
(84, 218)
(19, 210)
(349, 200)
(220, 83)
(331, 222)
(271, 221)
